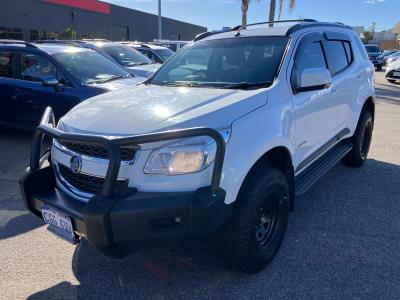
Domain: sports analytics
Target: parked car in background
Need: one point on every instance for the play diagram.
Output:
(393, 71)
(392, 57)
(375, 55)
(173, 45)
(157, 54)
(385, 53)
(133, 61)
(34, 76)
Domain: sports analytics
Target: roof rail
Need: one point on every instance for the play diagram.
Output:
(17, 42)
(203, 35)
(307, 25)
(240, 27)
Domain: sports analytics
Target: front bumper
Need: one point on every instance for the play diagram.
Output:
(119, 221)
(390, 74)
(129, 220)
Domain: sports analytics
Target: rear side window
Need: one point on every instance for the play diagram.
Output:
(6, 64)
(310, 56)
(349, 53)
(36, 67)
(339, 57)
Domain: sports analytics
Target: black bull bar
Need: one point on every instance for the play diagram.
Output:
(113, 144)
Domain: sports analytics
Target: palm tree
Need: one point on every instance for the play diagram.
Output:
(272, 9)
(245, 8)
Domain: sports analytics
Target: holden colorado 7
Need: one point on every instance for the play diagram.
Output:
(217, 143)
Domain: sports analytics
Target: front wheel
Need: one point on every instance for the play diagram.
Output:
(253, 236)
(379, 68)
(361, 141)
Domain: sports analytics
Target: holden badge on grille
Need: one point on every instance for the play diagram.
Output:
(75, 164)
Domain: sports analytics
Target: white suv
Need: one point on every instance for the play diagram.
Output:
(217, 143)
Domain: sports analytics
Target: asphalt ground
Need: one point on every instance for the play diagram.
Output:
(342, 242)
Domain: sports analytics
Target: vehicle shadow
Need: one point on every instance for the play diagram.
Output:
(388, 95)
(342, 241)
(14, 218)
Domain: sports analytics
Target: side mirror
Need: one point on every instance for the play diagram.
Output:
(313, 79)
(51, 81)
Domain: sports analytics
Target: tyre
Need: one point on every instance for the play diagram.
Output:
(379, 68)
(391, 81)
(254, 234)
(361, 141)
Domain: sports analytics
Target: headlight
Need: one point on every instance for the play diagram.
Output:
(184, 157)
(380, 56)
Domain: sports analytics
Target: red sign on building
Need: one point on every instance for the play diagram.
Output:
(90, 5)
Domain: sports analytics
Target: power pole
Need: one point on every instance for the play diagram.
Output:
(159, 21)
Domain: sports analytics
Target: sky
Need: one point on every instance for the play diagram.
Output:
(215, 14)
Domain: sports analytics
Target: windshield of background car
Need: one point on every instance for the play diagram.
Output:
(165, 53)
(372, 49)
(127, 56)
(90, 67)
(224, 62)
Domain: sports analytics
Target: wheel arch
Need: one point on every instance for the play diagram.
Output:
(278, 157)
(369, 105)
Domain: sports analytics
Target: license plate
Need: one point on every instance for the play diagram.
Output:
(59, 223)
(397, 74)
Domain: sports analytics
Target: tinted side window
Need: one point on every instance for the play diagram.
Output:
(6, 64)
(337, 56)
(310, 56)
(35, 67)
(148, 54)
(349, 52)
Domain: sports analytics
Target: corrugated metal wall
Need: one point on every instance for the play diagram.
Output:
(33, 19)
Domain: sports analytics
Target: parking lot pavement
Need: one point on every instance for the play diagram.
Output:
(343, 240)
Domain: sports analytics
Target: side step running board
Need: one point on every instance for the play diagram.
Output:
(321, 166)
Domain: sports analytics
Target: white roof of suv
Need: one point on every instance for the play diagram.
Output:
(281, 28)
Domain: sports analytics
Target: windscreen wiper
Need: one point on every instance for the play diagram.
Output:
(247, 85)
(110, 79)
(182, 84)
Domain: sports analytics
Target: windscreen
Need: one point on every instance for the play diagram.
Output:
(248, 61)
(90, 67)
(372, 49)
(126, 56)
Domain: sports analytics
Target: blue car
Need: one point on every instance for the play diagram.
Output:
(34, 76)
(130, 59)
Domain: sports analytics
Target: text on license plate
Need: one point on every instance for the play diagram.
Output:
(397, 74)
(59, 221)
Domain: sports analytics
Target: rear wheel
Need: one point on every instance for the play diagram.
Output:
(361, 141)
(253, 236)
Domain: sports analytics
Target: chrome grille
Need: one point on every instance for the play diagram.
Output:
(127, 152)
(86, 183)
